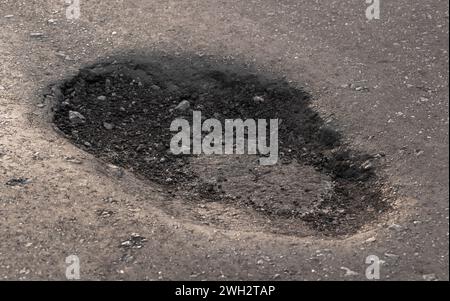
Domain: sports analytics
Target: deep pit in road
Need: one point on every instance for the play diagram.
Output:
(121, 112)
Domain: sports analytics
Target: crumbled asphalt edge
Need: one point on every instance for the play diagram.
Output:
(357, 198)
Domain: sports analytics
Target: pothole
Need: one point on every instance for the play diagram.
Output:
(122, 112)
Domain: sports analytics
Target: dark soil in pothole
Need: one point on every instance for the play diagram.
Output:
(121, 113)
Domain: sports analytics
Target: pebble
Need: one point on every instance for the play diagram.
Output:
(367, 165)
(258, 99)
(390, 255)
(76, 118)
(61, 54)
(183, 106)
(101, 97)
(73, 160)
(108, 126)
(36, 34)
(358, 88)
(116, 170)
(395, 227)
(418, 152)
(9, 16)
(372, 239)
(136, 241)
(107, 84)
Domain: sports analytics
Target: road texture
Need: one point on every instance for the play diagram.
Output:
(384, 82)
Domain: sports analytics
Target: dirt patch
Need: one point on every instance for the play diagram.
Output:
(121, 113)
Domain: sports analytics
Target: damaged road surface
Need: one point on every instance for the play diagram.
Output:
(88, 174)
(122, 112)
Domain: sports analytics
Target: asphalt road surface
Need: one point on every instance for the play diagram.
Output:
(383, 82)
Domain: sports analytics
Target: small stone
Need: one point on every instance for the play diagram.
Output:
(136, 241)
(126, 243)
(9, 16)
(101, 97)
(258, 99)
(2, 88)
(51, 21)
(116, 170)
(390, 255)
(155, 88)
(371, 239)
(418, 152)
(395, 227)
(103, 213)
(76, 118)
(367, 165)
(380, 155)
(358, 87)
(73, 160)
(108, 126)
(183, 106)
(107, 85)
(36, 34)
